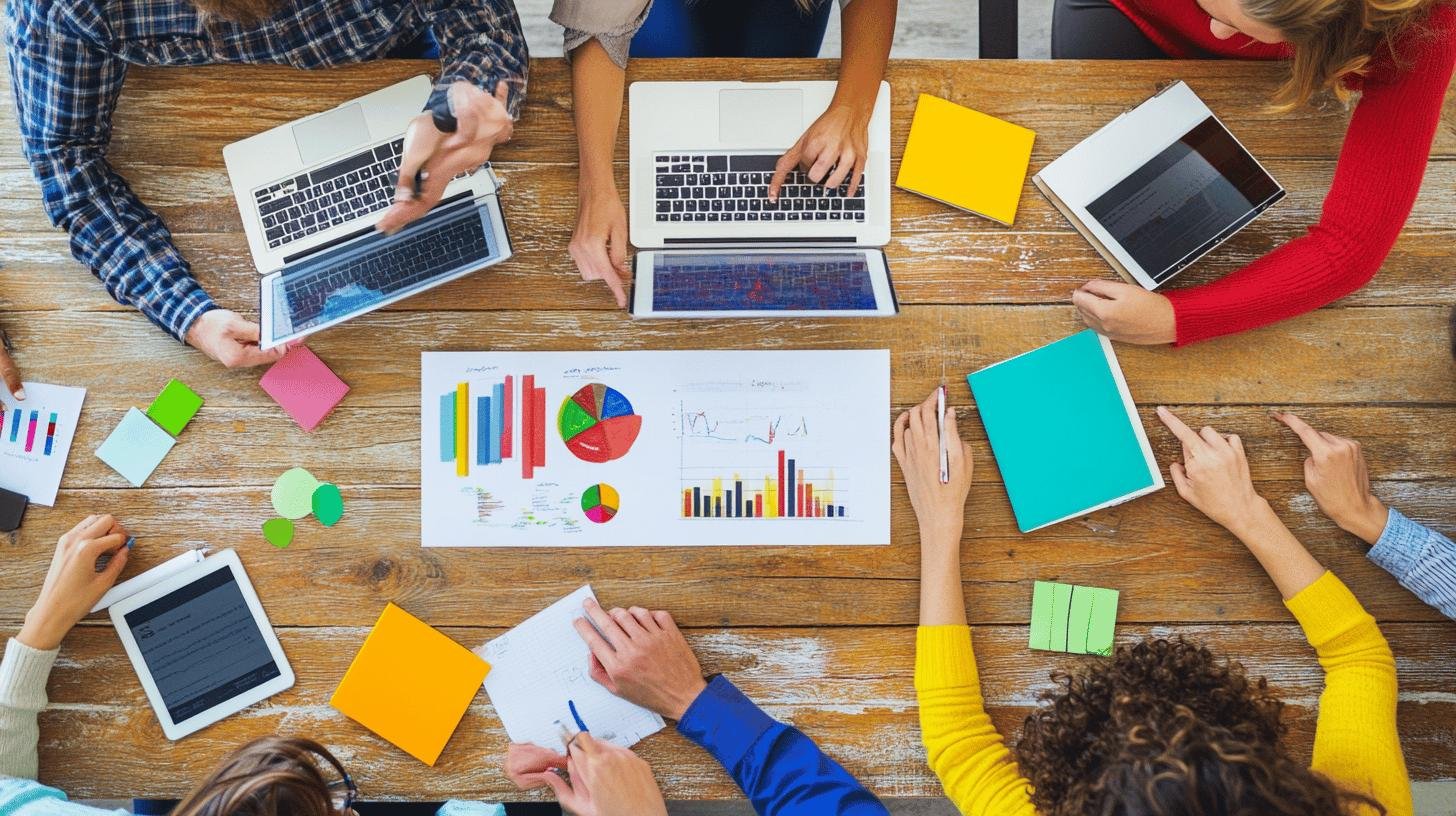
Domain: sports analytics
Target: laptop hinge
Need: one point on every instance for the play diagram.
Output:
(774, 241)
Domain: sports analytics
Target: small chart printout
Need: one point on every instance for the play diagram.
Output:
(655, 448)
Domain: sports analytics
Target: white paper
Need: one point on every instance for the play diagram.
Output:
(25, 466)
(703, 414)
(538, 669)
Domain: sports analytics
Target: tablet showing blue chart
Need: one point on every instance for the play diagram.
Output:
(763, 281)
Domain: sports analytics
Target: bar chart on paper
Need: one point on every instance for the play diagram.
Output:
(35, 439)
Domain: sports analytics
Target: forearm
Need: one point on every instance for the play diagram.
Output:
(597, 86)
(868, 29)
(481, 42)
(1286, 561)
(23, 675)
(942, 599)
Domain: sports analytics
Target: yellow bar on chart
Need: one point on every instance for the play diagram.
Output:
(717, 497)
(770, 498)
(462, 430)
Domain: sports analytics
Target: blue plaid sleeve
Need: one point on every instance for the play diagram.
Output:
(1423, 560)
(65, 87)
(481, 43)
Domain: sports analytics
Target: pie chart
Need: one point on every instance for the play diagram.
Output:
(600, 503)
(597, 424)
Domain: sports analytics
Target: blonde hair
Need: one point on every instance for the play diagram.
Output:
(1334, 40)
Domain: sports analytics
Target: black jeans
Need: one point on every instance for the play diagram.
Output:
(1096, 29)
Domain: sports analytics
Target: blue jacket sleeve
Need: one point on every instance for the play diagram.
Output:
(779, 769)
(1423, 560)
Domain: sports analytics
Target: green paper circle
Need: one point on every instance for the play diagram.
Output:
(278, 531)
(293, 493)
(328, 504)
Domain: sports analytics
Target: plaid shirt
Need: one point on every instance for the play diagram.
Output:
(68, 59)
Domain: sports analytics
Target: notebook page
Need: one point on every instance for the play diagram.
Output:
(541, 666)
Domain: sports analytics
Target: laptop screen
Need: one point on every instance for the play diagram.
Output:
(1185, 200)
(755, 281)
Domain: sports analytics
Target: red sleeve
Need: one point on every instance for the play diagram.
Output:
(1376, 181)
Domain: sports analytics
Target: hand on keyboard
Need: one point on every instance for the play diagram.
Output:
(484, 123)
(599, 245)
(832, 151)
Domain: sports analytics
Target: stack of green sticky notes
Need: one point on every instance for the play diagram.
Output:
(1074, 619)
(174, 407)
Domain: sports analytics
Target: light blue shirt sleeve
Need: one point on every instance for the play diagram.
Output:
(1421, 559)
(26, 797)
(458, 807)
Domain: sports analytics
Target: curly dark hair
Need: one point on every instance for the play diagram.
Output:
(1166, 728)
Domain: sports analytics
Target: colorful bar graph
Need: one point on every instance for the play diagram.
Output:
(793, 494)
(494, 423)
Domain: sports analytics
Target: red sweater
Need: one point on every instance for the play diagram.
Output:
(1376, 180)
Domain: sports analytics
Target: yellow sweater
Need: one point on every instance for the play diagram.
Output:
(1355, 742)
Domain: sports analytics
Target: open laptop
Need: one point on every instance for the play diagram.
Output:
(710, 242)
(310, 193)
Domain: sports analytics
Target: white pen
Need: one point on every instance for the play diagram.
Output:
(940, 430)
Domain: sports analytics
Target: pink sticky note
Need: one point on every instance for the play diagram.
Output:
(306, 388)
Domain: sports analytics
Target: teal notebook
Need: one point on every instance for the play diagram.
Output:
(1064, 430)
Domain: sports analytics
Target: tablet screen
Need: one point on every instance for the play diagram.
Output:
(202, 644)
(755, 281)
(1185, 200)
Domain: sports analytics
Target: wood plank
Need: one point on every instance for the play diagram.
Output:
(1170, 562)
(864, 673)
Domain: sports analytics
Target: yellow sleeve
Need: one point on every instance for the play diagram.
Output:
(964, 750)
(1355, 739)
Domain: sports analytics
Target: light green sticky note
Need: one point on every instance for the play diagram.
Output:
(174, 407)
(1078, 617)
(293, 493)
(1041, 615)
(1061, 603)
(1101, 620)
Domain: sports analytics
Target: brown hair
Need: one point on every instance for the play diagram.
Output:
(1165, 728)
(247, 12)
(1334, 40)
(270, 776)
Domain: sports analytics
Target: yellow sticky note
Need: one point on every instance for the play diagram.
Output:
(410, 684)
(966, 159)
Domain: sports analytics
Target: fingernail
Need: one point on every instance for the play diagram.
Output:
(20, 394)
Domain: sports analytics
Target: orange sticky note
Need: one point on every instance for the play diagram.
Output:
(410, 684)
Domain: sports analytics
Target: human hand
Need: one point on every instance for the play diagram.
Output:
(72, 584)
(229, 339)
(606, 780)
(1339, 480)
(527, 765)
(1214, 475)
(641, 656)
(940, 508)
(483, 121)
(9, 372)
(832, 151)
(599, 245)
(1126, 313)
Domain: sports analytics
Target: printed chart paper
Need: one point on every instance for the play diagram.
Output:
(539, 670)
(35, 439)
(655, 448)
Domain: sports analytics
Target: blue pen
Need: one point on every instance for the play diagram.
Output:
(575, 716)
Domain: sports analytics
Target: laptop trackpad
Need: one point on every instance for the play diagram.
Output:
(330, 134)
(760, 118)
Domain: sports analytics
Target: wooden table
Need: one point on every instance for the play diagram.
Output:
(821, 637)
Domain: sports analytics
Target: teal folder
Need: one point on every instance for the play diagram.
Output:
(1065, 431)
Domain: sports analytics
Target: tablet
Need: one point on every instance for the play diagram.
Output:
(807, 282)
(201, 645)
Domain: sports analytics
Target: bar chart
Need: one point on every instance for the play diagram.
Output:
(787, 490)
(498, 435)
(32, 431)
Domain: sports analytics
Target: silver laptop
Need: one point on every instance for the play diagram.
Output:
(710, 242)
(310, 193)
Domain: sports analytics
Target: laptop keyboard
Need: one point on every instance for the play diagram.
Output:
(329, 196)
(734, 187)
(383, 270)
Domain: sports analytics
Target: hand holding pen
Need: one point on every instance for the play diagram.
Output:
(925, 437)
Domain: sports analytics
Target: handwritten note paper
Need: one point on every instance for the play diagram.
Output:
(540, 668)
(1074, 619)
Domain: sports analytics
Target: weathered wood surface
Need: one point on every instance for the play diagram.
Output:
(822, 636)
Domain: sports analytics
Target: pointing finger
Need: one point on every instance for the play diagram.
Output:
(786, 163)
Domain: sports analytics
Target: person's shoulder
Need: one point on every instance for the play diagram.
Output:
(87, 18)
(1432, 36)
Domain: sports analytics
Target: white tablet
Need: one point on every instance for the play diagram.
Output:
(201, 645)
(800, 282)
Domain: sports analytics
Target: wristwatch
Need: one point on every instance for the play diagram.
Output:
(443, 115)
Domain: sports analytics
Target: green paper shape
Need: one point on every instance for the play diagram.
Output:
(293, 493)
(278, 531)
(174, 407)
(1073, 619)
(328, 504)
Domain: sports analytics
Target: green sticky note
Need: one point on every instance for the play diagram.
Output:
(293, 493)
(174, 407)
(1064, 430)
(278, 532)
(328, 504)
(1074, 619)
